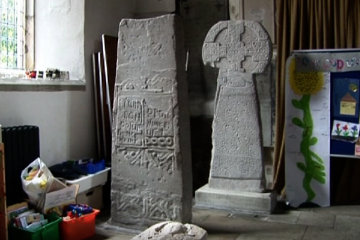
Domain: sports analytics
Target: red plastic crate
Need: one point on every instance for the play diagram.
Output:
(80, 227)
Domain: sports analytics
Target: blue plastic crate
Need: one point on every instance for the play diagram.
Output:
(92, 167)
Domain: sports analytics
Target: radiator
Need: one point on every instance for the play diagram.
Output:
(22, 146)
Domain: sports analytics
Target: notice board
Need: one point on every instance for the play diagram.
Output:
(322, 118)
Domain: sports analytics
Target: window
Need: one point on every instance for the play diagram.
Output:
(59, 46)
(16, 34)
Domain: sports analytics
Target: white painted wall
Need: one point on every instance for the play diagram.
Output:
(59, 36)
(150, 8)
(66, 33)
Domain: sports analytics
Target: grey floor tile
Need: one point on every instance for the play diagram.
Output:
(222, 236)
(121, 237)
(349, 210)
(252, 228)
(349, 225)
(323, 233)
(290, 217)
(201, 213)
(274, 234)
(311, 218)
(105, 230)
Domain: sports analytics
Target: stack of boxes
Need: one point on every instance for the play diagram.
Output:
(91, 188)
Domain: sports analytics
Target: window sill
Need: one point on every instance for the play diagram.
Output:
(10, 84)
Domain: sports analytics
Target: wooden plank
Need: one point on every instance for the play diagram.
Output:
(98, 106)
(261, 11)
(105, 109)
(3, 215)
(109, 44)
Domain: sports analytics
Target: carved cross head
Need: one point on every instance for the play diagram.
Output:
(241, 46)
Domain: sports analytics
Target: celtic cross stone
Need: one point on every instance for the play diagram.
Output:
(239, 49)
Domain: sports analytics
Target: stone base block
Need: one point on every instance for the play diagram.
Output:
(235, 201)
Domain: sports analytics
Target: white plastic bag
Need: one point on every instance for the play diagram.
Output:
(36, 178)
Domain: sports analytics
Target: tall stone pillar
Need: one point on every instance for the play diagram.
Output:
(151, 161)
(239, 49)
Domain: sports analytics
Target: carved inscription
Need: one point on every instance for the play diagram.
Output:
(153, 206)
(163, 159)
(145, 132)
(130, 122)
(134, 156)
(140, 124)
(149, 204)
(154, 82)
(149, 158)
(134, 48)
(128, 205)
(159, 126)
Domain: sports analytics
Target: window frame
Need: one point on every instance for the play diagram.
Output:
(16, 79)
(25, 43)
(29, 34)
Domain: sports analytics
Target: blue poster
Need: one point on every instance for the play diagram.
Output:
(345, 98)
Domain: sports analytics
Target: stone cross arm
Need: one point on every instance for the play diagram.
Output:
(241, 46)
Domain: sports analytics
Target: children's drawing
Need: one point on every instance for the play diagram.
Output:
(345, 131)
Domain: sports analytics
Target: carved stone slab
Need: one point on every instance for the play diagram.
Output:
(239, 49)
(151, 163)
(172, 231)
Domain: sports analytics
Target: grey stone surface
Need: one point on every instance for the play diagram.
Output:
(172, 231)
(315, 219)
(348, 225)
(225, 225)
(235, 201)
(245, 226)
(239, 49)
(151, 162)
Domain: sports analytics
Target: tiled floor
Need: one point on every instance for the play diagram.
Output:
(337, 222)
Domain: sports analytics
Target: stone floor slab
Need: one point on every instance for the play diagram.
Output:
(290, 217)
(340, 223)
(274, 234)
(348, 210)
(248, 227)
(324, 233)
(349, 225)
(316, 219)
(223, 236)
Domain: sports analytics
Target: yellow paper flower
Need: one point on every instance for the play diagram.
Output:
(305, 83)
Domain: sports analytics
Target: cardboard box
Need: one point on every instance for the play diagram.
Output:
(92, 197)
(57, 196)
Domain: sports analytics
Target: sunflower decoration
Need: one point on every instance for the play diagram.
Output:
(306, 84)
